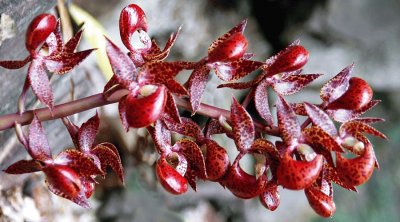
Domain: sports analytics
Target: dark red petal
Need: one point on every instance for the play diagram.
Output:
(39, 148)
(287, 121)
(79, 199)
(343, 115)
(169, 178)
(64, 180)
(270, 199)
(72, 44)
(187, 128)
(242, 184)
(321, 203)
(356, 171)
(132, 19)
(242, 125)
(191, 151)
(80, 162)
(337, 85)
(24, 166)
(123, 67)
(39, 29)
(65, 62)
(196, 85)
(171, 108)
(316, 135)
(109, 157)
(216, 160)
(333, 176)
(141, 112)
(320, 119)
(159, 72)
(88, 186)
(299, 109)
(40, 82)
(87, 133)
(239, 28)
(72, 129)
(369, 120)
(353, 127)
(294, 83)
(236, 69)
(229, 49)
(15, 64)
(261, 102)
(243, 85)
(296, 175)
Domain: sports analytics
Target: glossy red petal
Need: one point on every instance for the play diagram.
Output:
(356, 171)
(336, 86)
(316, 135)
(40, 82)
(353, 127)
(39, 29)
(229, 49)
(242, 184)
(261, 102)
(169, 178)
(39, 148)
(357, 95)
(187, 128)
(15, 64)
(287, 122)
(216, 160)
(141, 112)
(191, 151)
(320, 119)
(296, 175)
(109, 157)
(196, 85)
(24, 166)
(294, 83)
(79, 199)
(132, 19)
(290, 59)
(87, 133)
(321, 203)
(64, 180)
(270, 199)
(80, 162)
(123, 67)
(239, 28)
(242, 125)
(236, 69)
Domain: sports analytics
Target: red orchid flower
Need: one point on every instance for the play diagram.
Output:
(103, 154)
(66, 175)
(227, 57)
(52, 56)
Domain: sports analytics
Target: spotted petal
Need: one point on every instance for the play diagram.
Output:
(337, 85)
(287, 122)
(242, 125)
(294, 83)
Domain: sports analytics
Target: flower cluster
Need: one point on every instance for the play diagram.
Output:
(307, 156)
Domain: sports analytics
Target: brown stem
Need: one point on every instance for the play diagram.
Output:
(80, 105)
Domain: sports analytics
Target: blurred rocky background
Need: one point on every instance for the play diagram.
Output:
(336, 32)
